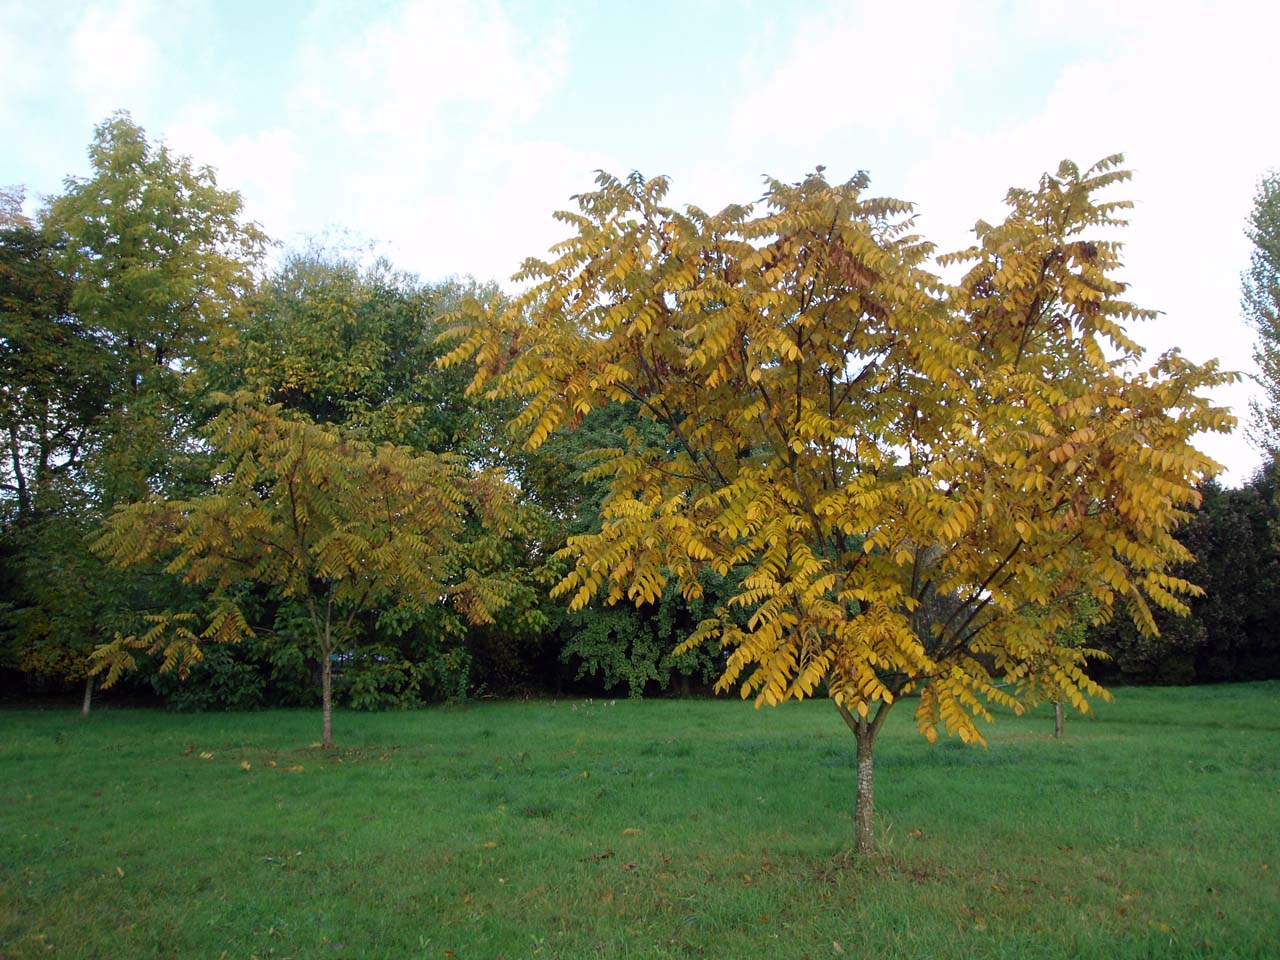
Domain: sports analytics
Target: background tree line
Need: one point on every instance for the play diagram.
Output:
(148, 352)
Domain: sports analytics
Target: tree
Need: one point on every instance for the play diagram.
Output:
(1261, 304)
(354, 345)
(1229, 634)
(54, 391)
(65, 601)
(108, 299)
(1041, 685)
(617, 644)
(53, 372)
(906, 475)
(161, 261)
(340, 526)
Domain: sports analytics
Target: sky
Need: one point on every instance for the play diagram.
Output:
(447, 133)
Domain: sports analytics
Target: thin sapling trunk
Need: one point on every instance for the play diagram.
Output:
(326, 697)
(324, 642)
(865, 731)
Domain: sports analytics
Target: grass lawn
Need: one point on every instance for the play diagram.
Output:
(641, 829)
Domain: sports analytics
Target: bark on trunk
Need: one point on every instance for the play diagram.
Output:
(865, 803)
(1057, 719)
(88, 696)
(326, 698)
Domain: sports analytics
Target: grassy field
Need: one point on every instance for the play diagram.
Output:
(641, 829)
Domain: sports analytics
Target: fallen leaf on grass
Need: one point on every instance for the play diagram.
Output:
(630, 832)
(489, 844)
(296, 768)
(119, 871)
(245, 765)
(630, 865)
(271, 763)
(206, 755)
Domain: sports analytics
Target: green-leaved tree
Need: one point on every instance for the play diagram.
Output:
(1261, 303)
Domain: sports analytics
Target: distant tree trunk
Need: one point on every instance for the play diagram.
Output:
(323, 626)
(326, 697)
(1057, 719)
(88, 696)
(24, 497)
(684, 686)
(864, 805)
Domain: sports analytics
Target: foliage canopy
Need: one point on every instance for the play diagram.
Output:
(914, 479)
(340, 526)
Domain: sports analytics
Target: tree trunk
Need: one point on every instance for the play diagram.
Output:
(88, 696)
(1057, 719)
(865, 804)
(326, 697)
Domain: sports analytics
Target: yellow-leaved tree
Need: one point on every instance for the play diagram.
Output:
(914, 480)
(300, 512)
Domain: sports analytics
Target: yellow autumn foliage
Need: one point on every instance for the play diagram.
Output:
(910, 479)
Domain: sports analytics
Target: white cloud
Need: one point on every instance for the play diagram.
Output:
(264, 167)
(400, 74)
(114, 60)
(1180, 98)
(19, 58)
(417, 127)
(425, 124)
(875, 66)
(505, 214)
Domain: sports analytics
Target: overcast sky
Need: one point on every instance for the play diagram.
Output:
(448, 132)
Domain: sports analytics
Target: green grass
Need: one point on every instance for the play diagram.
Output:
(641, 829)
